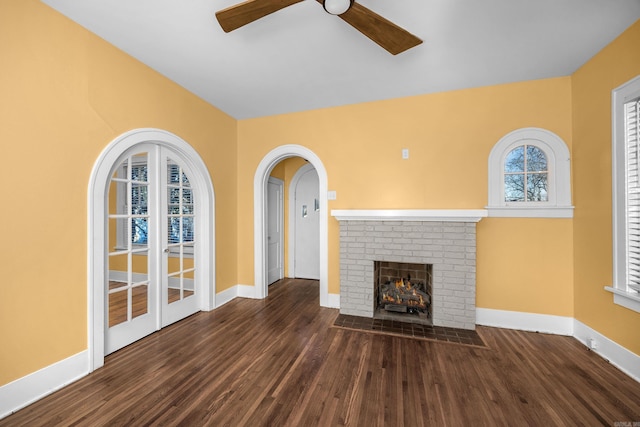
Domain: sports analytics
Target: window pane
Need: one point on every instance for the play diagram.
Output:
(139, 199)
(514, 188)
(139, 231)
(187, 230)
(536, 159)
(116, 241)
(187, 201)
(537, 187)
(173, 230)
(173, 174)
(174, 196)
(139, 172)
(139, 300)
(515, 160)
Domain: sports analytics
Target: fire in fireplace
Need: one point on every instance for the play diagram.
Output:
(403, 288)
(403, 296)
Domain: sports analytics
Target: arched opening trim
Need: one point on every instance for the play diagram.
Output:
(98, 193)
(259, 203)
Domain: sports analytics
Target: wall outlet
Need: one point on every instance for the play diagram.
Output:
(405, 153)
(591, 342)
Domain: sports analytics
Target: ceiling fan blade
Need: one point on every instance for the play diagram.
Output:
(382, 31)
(246, 12)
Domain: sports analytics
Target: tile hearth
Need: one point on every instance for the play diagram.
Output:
(409, 330)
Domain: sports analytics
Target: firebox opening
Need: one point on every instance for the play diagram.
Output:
(403, 291)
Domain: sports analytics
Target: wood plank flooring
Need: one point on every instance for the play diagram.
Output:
(279, 362)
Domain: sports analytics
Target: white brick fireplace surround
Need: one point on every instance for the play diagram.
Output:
(446, 239)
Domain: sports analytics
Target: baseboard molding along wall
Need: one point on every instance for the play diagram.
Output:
(248, 291)
(533, 322)
(623, 359)
(28, 389)
(333, 301)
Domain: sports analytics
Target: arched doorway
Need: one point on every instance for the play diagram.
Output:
(178, 156)
(260, 215)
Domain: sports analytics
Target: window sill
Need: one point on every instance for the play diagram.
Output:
(530, 211)
(625, 299)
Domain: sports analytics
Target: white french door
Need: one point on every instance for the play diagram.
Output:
(151, 279)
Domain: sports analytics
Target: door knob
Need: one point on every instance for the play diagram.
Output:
(166, 250)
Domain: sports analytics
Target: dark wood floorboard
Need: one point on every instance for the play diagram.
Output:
(279, 362)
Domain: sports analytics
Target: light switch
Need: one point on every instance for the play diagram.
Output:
(331, 195)
(405, 153)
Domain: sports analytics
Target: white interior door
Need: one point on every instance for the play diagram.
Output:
(307, 226)
(151, 246)
(131, 289)
(178, 239)
(275, 221)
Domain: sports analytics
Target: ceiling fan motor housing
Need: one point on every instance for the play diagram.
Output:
(337, 7)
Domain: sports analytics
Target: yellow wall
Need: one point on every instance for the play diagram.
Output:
(450, 136)
(65, 94)
(592, 85)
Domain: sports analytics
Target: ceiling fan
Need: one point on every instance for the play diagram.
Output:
(382, 31)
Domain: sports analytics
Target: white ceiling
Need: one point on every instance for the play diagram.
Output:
(302, 58)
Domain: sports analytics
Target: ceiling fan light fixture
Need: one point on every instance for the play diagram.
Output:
(337, 7)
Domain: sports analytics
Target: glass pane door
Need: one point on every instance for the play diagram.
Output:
(179, 294)
(130, 293)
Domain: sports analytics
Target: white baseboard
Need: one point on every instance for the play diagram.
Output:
(247, 291)
(225, 296)
(242, 291)
(625, 360)
(333, 301)
(26, 390)
(534, 322)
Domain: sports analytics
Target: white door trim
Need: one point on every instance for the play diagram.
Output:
(280, 221)
(292, 215)
(97, 202)
(259, 216)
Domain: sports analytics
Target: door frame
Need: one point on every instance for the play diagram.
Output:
(259, 216)
(98, 193)
(292, 215)
(280, 221)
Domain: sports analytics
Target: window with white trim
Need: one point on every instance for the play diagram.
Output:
(626, 194)
(529, 176)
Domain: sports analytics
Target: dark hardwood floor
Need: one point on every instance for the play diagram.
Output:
(280, 362)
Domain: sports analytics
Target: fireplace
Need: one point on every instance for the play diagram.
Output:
(403, 291)
(443, 239)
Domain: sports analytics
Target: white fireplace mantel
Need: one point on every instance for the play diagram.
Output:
(445, 215)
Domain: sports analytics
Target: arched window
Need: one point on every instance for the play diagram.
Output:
(529, 176)
(526, 175)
